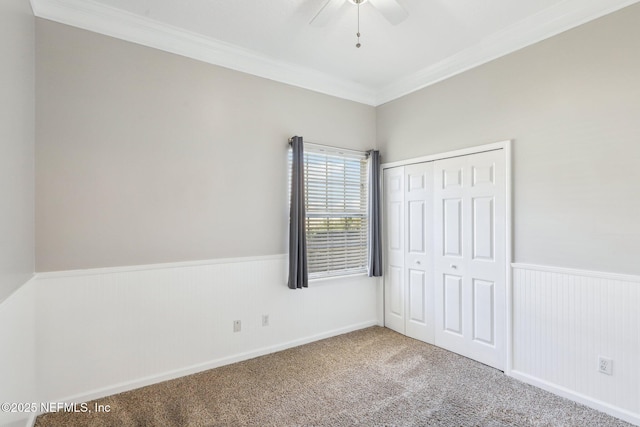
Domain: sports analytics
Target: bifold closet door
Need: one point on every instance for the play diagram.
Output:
(469, 261)
(418, 256)
(408, 281)
(394, 294)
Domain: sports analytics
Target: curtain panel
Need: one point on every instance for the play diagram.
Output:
(298, 272)
(375, 239)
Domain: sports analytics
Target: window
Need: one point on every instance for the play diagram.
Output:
(336, 212)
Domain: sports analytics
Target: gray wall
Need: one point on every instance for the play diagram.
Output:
(148, 157)
(572, 106)
(16, 144)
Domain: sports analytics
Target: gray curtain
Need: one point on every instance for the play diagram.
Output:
(375, 239)
(298, 275)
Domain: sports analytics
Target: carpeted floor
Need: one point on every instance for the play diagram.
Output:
(372, 377)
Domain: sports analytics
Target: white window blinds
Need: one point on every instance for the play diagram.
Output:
(336, 212)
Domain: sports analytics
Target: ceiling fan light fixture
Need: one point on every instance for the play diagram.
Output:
(391, 10)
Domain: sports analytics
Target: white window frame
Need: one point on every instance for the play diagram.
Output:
(322, 200)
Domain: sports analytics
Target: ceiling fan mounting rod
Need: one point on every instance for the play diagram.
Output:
(358, 3)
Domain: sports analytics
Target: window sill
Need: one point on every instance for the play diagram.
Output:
(328, 279)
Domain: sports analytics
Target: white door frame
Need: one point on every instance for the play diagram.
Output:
(506, 147)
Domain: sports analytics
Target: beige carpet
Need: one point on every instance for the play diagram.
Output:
(372, 377)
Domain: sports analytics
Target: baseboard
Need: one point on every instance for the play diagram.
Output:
(614, 411)
(189, 370)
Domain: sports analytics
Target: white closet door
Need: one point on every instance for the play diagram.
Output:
(418, 261)
(394, 295)
(469, 200)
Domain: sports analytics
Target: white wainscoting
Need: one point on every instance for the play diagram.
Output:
(80, 335)
(563, 320)
(104, 331)
(17, 352)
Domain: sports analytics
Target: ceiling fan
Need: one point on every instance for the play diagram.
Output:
(390, 9)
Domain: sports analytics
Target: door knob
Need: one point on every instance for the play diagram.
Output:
(418, 262)
(453, 266)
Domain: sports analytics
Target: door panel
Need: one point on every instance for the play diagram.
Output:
(417, 181)
(416, 221)
(483, 234)
(470, 311)
(394, 294)
(419, 254)
(451, 177)
(452, 304)
(396, 226)
(452, 227)
(483, 175)
(417, 287)
(483, 307)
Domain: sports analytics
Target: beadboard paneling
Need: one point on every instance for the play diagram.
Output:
(17, 353)
(102, 332)
(563, 320)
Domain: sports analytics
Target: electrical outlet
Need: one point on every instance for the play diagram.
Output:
(265, 320)
(605, 365)
(237, 326)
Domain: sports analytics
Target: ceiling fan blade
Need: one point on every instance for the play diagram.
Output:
(326, 12)
(390, 9)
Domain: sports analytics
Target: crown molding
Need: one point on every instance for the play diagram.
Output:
(99, 18)
(547, 23)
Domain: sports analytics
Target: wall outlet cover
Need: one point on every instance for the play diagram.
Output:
(605, 365)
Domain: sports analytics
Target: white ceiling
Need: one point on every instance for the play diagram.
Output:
(273, 38)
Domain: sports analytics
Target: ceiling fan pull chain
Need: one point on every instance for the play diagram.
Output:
(358, 33)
